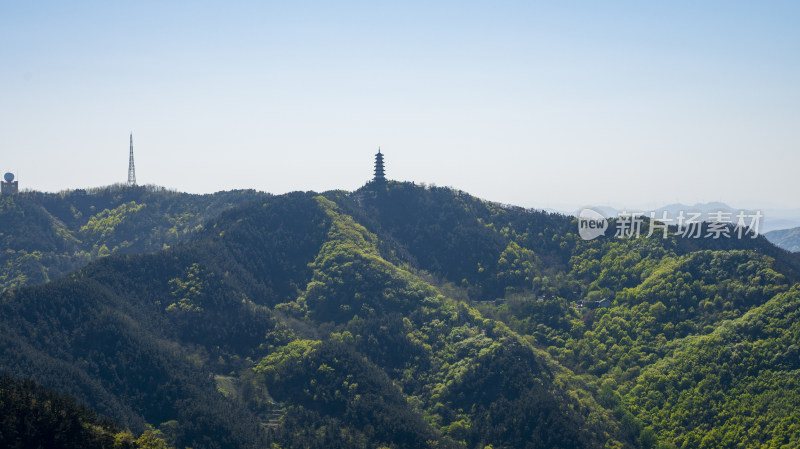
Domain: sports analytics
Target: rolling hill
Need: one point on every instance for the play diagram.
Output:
(46, 235)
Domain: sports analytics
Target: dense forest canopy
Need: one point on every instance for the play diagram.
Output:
(397, 316)
(46, 235)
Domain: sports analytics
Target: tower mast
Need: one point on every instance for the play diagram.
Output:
(131, 168)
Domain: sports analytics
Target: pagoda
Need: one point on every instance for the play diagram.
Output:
(379, 174)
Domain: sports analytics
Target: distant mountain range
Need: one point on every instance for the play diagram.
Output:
(788, 239)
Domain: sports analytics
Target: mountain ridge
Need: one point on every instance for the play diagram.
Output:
(359, 320)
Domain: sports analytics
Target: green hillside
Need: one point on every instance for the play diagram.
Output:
(46, 235)
(404, 316)
(736, 387)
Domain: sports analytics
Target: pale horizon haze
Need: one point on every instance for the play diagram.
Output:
(538, 104)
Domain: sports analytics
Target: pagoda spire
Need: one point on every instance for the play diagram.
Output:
(379, 173)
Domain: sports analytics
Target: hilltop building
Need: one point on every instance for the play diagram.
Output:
(379, 173)
(8, 186)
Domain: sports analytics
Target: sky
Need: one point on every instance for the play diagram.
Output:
(539, 104)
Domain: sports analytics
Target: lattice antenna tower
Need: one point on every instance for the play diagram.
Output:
(131, 168)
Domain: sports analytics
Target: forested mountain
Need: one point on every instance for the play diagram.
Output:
(404, 316)
(45, 235)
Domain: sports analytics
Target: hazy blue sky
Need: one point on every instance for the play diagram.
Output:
(548, 104)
